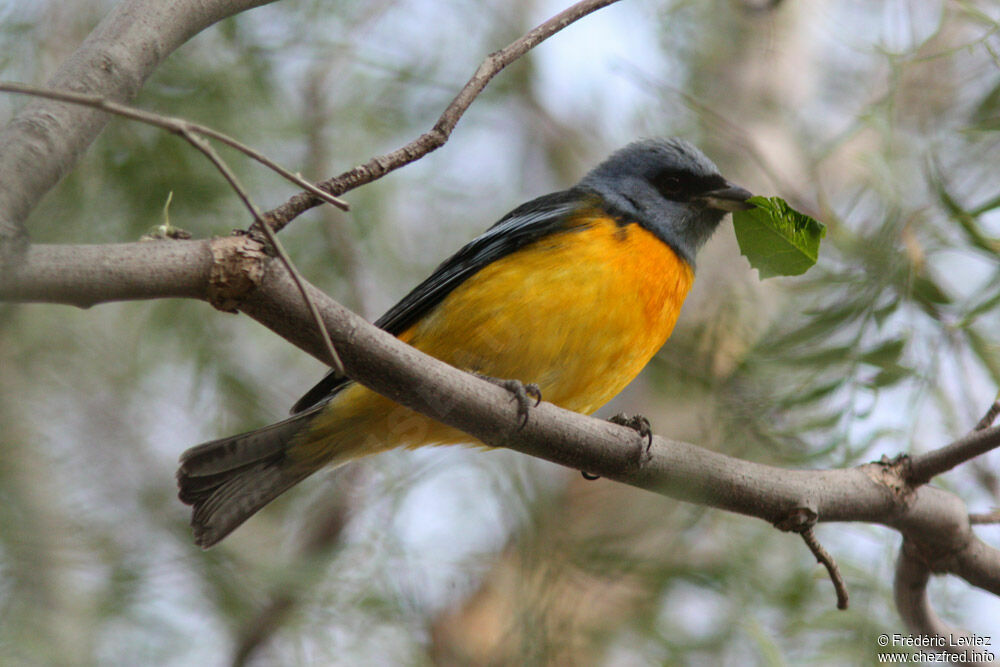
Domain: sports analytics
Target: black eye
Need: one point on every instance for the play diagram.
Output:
(684, 185)
(674, 184)
(670, 184)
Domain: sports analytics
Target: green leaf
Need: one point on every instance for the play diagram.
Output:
(889, 375)
(986, 351)
(777, 239)
(885, 355)
(816, 393)
(929, 295)
(986, 304)
(819, 327)
(965, 219)
(820, 356)
(987, 114)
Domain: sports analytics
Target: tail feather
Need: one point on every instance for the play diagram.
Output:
(227, 481)
(239, 498)
(240, 450)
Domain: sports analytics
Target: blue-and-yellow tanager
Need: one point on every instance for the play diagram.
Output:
(574, 291)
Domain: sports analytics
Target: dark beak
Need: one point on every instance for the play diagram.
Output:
(729, 198)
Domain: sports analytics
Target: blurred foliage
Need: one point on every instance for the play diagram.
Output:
(878, 118)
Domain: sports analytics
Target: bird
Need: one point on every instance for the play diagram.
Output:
(571, 293)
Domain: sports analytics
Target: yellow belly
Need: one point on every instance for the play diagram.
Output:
(580, 313)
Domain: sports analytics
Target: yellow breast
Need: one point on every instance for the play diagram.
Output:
(579, 312)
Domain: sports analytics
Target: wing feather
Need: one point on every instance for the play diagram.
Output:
(525, 224)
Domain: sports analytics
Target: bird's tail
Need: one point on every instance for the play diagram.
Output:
(227, 481)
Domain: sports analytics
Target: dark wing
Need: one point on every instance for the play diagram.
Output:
(526, 223)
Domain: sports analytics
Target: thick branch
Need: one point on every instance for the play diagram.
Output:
(872, 493)
(84, 275)
(910, 586)
(45, 139)
(933, 521)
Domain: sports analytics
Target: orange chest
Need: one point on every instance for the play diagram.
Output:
(643, 277)
(580, 312)
(612, 279)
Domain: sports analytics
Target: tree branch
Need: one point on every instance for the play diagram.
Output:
(990, 417)
(985, 518)
(925, 467)
(933, 521)
(194, 134)
(272, 238)
(910, 587)
(85, 275)
(45, 139)
(824, 558)
(438, 135)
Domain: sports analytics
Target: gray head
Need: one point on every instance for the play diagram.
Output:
(669, 187)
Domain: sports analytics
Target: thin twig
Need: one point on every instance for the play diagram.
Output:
(989, 417)
(802, 520)
(985, 517)
(925, 467)
(206, 148)
(172, 124)
(824, 557)
(438, 135)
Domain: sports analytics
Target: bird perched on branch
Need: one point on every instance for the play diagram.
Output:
(573, 292)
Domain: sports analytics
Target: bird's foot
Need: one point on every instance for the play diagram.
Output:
(640, 425)
(521, 393)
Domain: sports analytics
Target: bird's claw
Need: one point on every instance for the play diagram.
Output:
(640, 425)
(520, 392)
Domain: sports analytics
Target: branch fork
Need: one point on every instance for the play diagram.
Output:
(238, 267)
